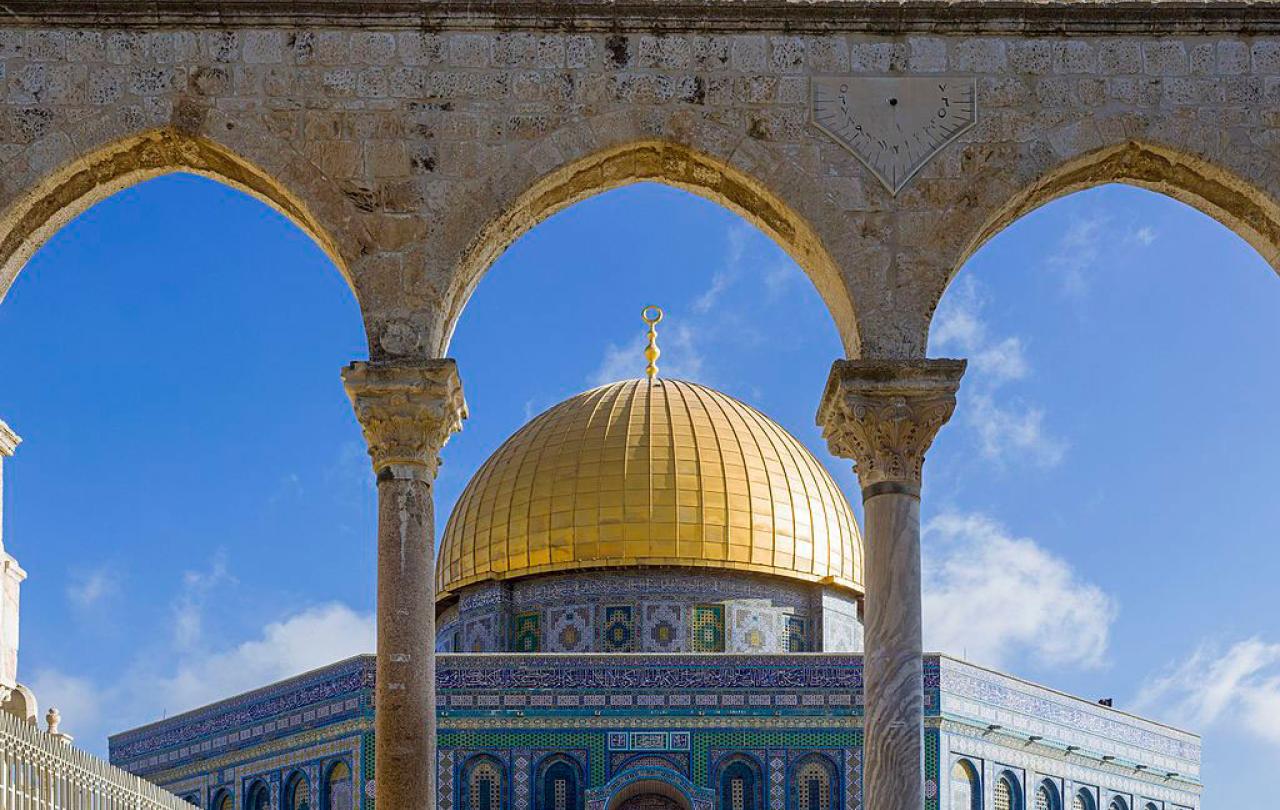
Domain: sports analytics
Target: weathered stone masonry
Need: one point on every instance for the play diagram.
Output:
(415, 140)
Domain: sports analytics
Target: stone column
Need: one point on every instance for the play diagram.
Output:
(407, 411)
(884, 414)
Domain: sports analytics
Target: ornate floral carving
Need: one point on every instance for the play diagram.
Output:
(407, 410)
(884, 414)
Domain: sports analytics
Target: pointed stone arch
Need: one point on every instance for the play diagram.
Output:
(62, 195)
(1243, 206)
(673, 164)
(1211, 189)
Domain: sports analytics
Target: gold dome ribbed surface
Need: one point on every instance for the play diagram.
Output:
(640, 473)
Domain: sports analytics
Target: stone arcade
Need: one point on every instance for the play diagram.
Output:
(415, 140)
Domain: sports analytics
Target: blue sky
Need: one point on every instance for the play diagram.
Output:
(194, 508)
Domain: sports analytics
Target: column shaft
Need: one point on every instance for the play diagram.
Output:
(893, 713)
(405, 695)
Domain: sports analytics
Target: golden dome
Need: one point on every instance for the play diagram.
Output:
(661, 473)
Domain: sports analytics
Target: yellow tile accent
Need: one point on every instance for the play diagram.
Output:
(651, 473)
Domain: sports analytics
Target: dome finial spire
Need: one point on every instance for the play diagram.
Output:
(652, 315)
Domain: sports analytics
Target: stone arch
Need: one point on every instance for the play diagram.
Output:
(1209, 188)
(1216, 191)
(29, 221)
(670, 163)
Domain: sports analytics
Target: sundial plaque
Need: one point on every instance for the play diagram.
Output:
(894, 125)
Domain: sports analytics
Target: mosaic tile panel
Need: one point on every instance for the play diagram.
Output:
(570, 629)
(777, 779)
(526, 632)
(932, 772)
(619, 629)
(754, 630)
(521, 760)
(707, 628)
(664, 629)
(796, 636)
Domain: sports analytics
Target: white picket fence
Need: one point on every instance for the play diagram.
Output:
(39, 772)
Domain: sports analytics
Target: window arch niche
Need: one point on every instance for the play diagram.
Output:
(1083, 800)
(482, 785)
(297, 793)
(814, 784)
(559, 785)
(739, 784)
(258, 797)
(966, 786)
(339, 792)
(223, 801)
(1007, 794)
(1117, 803)
(1046, 797)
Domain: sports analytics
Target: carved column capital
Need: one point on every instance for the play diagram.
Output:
(408, 410)
(883, 414)
(9, 440)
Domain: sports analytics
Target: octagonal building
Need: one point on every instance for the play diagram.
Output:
(649, 598)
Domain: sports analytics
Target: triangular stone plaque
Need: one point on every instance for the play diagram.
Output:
(894, 125)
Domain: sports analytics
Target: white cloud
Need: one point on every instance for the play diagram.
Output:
(188, 610)
(1006, 430)
(992, 598)
(302, 641)
(88, 589)
(1000, 361)
(1239, 688)
(1144, 236)
(1077, 252)
(160, 682)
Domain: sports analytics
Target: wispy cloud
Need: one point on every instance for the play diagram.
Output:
(994, 598)
(1006, 427)
(1085, 242)
(1238, 687)
(691, 340)
(189, 609)
(1012, 429)
(1144, 236)
(165, 678)
(88, 589)
(680, 343)
(1076, 252)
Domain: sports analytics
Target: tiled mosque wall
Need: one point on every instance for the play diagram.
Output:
(681, 716)
(653, 610)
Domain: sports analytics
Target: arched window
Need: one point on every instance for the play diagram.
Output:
(338, 791)
(560, 787)
(223, 801)
(1118, 803)
(1083, 800)
(1150, 806)
(815, 784)
(1007, 796)
(739, 784)
(482, 785)
(258, 797)
(1047, 796)
(297, 796)
(966, 787)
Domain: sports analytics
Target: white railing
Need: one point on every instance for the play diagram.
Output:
(40, 772)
